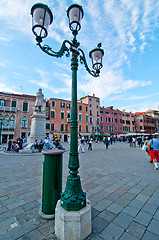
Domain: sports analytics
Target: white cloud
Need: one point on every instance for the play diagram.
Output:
(108, 83)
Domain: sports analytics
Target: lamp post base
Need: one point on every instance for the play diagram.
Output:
(73, 224)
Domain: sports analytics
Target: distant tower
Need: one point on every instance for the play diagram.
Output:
(38, 119)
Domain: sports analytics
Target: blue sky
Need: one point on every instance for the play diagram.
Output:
(128, 31)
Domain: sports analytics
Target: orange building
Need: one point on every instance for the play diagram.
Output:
(60, 118)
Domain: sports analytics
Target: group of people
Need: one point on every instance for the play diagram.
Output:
(15, 145)
(50, 144)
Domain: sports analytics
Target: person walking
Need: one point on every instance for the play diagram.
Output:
(89, 144)
(80, 147)
(154, 151)
(106, 142)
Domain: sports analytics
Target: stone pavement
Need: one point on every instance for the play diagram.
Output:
(121, 184)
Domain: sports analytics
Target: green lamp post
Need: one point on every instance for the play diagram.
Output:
(73, 198)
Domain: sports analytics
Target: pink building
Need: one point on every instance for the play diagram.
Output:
(15, 111)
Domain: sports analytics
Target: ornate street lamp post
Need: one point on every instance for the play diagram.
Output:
(73, 198)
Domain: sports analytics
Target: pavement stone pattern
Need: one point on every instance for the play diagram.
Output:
(120, 182)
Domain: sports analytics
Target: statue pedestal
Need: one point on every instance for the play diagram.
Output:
(38, 127)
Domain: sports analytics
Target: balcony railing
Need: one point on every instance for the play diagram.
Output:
(8, 127)
(8, 109)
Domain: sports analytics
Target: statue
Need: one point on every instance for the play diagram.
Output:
(39, 101)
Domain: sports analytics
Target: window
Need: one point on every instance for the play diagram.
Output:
(87, 129)
(62, 105)
(68, 105)
(106, 112)
(86, 117)
(121, 128)
(52, 113)
(53, 103)
(12, 120)
(86, 109)
(109, 120)
(102, 127)
(101, 111)
(116, 120)
(112, 120)
(91, 112)
(25, 106)
(47, 125)
(6, 120)
(97, 114)
(80, 108)
(90, 105)
(68, 115)
(2, 102)
(116, 128)
(14, 103)
(62, 115)
(90, 120)
(97, 120)
(80, 117)
(101, 119)
(140, 127)
(24, 122)
(106, 119)
(127, 122)
(66, 127)
(62, 127)
(52, 127)
(107, 128)
(121, 121)
(80, 128)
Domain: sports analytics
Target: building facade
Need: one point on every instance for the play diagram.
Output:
(15, 111)
(60, 118)
(144, 123)
(115, 122)
(93, 104)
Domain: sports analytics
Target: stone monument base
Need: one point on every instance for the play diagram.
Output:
(73, 225)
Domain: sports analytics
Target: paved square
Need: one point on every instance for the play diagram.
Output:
(120, 182)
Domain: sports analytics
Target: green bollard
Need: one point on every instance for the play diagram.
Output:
(52, 182)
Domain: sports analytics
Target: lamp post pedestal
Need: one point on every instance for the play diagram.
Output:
(73, 225)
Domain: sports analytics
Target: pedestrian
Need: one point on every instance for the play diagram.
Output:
(134, 141)
(154, 150)
(106, 142)
(80, 147)
(89, 144)
(130, 141)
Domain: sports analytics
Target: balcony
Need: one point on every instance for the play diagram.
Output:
(8, 109)
(8, 127)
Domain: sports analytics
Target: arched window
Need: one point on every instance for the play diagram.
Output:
(6, 120)
(12, 120)
(24, 122)
(14, 103)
